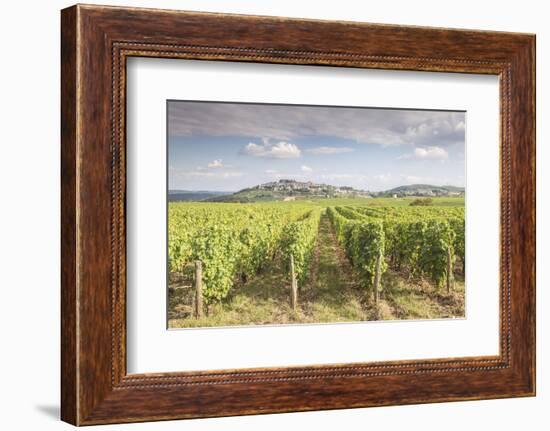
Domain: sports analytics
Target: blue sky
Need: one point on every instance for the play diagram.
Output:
(228, 146)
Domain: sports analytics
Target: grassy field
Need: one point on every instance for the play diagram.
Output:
(388, 202)
(385, 202)
(332, 291)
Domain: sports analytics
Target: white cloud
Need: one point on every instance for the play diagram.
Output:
(305, 168)
(432, 153)
(270, 171)
(280, 150)
(329, 150)
(215, 164)
(427, 153)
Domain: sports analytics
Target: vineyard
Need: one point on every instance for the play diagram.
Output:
(314, 261)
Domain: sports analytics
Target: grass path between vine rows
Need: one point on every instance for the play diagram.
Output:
(333, 292)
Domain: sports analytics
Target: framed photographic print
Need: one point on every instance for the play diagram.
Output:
(267, 215)
(254, 217)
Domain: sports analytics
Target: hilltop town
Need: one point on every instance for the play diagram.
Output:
(296, 189)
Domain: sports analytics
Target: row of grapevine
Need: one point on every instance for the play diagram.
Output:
(235, 241)
(424, 247)
(298, 239)
(423, 240)
(363, 241)
(398, 220)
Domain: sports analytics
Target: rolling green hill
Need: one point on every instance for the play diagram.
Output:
(424, 190)
(295, 190)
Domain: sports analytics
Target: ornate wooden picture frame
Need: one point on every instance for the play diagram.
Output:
(96, 41)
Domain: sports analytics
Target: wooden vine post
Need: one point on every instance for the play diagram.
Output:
(294, 285)
(449, 270)
(377, 275)
(198, 288)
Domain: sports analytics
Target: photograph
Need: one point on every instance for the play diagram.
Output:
(296, 214)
